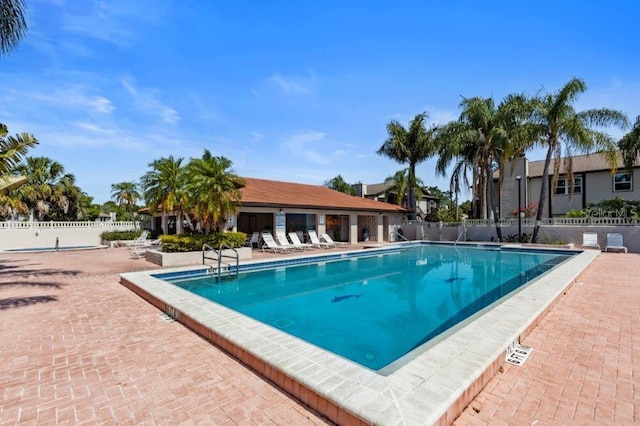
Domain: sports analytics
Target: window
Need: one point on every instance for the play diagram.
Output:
(622, 182)
(563, 187)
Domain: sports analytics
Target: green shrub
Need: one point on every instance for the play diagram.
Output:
(576, 213)
(184, 243)
(119, 235)
(513, 238)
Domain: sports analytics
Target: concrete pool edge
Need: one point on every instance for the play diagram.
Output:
(432, 388)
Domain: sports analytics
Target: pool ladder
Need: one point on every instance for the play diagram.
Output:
(208, 252)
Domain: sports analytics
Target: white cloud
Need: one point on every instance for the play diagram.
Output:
(303, 144)
(292, 85)
(112, 21)
(256, 137)
(147, 100)
(70, 97)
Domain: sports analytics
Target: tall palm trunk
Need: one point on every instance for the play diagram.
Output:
(544, 190)
(491, 201)
(412, 192)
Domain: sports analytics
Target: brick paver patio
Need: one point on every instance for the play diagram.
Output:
(77, 347)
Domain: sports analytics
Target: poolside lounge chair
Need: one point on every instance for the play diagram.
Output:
(281, 238)
(295, 241)
(328, 240)
(137, 248)
(271, 244)
(614, 242)
(590, 239)
(313, 237)
(254, 240)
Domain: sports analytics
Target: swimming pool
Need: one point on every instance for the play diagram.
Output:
(430, 385)
(375, 309)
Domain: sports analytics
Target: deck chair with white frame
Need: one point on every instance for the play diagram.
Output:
(614, 242)
(281, 238)
(295, 241)
(137, 249)
(313, 237)
(590, 239)
(270, 243)
(327, 239)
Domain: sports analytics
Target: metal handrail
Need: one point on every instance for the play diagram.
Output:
(219, 256)
(400, 235)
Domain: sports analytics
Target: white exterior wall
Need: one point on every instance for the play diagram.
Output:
(23, 235)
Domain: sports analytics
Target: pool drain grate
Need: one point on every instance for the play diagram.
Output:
(517, 354)
(166, 317)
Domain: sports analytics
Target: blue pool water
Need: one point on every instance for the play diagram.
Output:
(374, 310)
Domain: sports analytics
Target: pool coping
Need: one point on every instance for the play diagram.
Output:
(432, 388)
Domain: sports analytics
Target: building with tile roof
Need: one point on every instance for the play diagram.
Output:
(269, 205)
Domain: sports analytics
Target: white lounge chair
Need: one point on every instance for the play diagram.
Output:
(254, 240)
(295, 241)
(327, 239)
(281, 238)
(138, 249)
(313, 237)
(614, 242)
(590, 239)
(270, 243)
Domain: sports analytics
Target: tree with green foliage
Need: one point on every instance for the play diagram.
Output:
(397, 192)
(212, 190)
(481, 141)
(558, 128)
(126, 194)
(13, 26)
(49, 193)
(13, 148)
(163, 186)
(339, 184)
(411, 146)
(630, 145)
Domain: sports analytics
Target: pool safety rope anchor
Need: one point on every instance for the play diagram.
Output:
(517, 354)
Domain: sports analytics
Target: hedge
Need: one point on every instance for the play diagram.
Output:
(120, 235)
(184, 243)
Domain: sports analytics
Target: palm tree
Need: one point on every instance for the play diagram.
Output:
(482, 141)
(126, 194)
(162, 186)
(339, 184)
(12, 24)
(399, 186)
(212, 189)
(49, 192)
(12, 148)
(630, 145)
(410, 146)
(558, 126)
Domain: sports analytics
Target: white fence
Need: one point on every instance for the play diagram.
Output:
(26, 235)
(553, 230)
(105, 226)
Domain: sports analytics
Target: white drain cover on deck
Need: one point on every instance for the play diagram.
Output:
(518, 354)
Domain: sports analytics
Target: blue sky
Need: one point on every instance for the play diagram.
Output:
(292, 90)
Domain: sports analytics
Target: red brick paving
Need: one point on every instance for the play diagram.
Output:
(79, 348)
(585, 367)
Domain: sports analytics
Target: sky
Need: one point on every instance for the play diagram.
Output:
(296, 91)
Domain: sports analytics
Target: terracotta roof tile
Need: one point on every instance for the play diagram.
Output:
(264, 192)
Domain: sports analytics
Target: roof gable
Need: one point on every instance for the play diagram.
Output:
(263, 192)
(581, 163)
